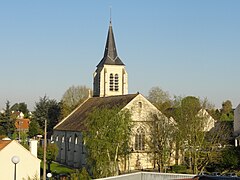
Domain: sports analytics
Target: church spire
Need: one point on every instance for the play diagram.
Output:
(110, 53)
(110, 78)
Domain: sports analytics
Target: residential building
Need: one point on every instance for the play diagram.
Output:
(28, 165)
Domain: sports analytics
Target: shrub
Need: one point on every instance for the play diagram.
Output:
(179, 169)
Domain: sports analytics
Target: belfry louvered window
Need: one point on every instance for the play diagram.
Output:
(111, 82)
(140, 140)
(116, 82)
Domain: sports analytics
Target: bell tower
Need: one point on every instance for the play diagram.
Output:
(110, 77)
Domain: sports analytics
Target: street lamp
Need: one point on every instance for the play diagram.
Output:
(49, 175)
(15, 160)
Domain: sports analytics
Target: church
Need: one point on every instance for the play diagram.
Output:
(110, 87)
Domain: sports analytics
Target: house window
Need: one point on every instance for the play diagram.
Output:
(140, 139)
(116, 82)
(111, 82)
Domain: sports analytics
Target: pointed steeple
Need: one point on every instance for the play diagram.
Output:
(110, 54)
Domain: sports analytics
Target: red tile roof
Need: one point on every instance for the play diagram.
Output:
(22, 124)
(4, 143)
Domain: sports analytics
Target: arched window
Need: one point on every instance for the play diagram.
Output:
(111, 82)
(116, 82)
(140, 104)
(76, 139)
(140, 139)
(69, 142)
(56, 138)
(63, 139)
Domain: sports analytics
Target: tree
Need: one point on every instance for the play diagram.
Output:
(230, 157)
(162, 139)
(34, 128)
(20, 107)
(196, 143)
(107, 140)
(227, 111)
(160, 98)
(73, 97)
(47, 109)
(51, 154)
(8, 126)
(227, 106)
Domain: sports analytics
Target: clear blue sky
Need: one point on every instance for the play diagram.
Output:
(185, 47)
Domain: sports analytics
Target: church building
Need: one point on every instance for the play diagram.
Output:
(110, 87)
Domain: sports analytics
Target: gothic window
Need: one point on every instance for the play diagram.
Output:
(111, 82)
(63, 139)
(116, 82)
(140, 139)
(76, 139)
(56, 138)
(69, 142)
(83, 148)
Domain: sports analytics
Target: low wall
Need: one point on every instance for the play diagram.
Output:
(149, 176)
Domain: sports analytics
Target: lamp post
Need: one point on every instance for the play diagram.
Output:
(15, 160)
(45, 150)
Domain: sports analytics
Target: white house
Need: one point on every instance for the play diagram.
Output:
(27, 167)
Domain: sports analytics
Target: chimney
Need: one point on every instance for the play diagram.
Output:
(33, 146)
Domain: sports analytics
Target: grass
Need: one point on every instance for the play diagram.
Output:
(60, 169)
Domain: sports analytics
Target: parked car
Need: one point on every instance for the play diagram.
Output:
(216, 174)
(231, 174)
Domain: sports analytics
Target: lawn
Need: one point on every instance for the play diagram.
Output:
(60, 169)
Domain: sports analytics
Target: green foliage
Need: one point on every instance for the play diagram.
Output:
(34, 128)
(227, 116)
(231, 157)
(7, 122)
(162, 140)
(60, 169)
(199, 146)
(72, 98)
(47, 109)
(20, 107)
(179, 169)
(227, 106)
(82, 174)
(107, 140)
(52, 151)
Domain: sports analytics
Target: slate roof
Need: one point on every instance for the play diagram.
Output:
(110, 54)
(76, 120)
